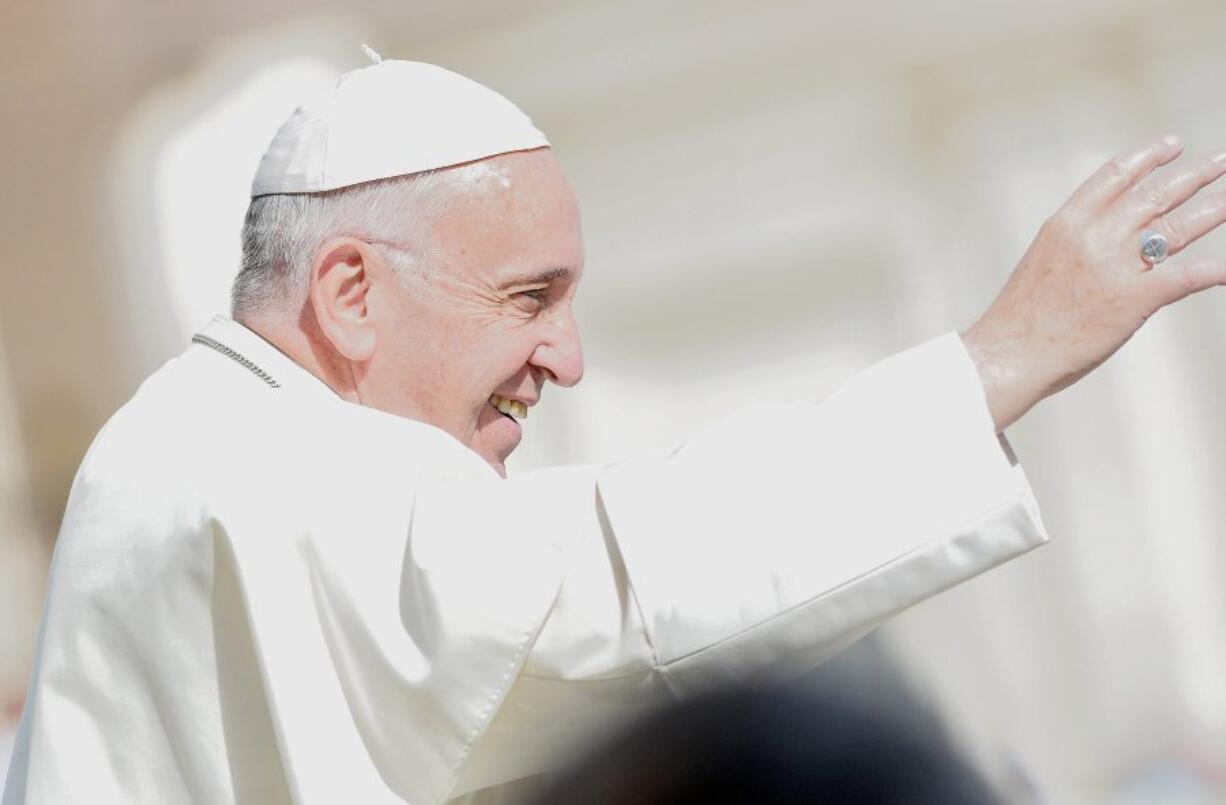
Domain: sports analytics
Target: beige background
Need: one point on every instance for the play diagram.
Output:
(775, 194)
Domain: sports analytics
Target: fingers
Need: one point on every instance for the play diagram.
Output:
(1123, 171)
(1191, 222)
(1172, 282)
(1153, 196)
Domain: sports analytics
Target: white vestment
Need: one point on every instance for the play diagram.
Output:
(263, 593)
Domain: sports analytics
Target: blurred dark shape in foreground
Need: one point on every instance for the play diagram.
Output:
(765, 746)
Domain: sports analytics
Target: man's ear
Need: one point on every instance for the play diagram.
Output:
(340, 280)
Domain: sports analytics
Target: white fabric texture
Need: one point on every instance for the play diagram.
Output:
(267, 594)
(390, 119)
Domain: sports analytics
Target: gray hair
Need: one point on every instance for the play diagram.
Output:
(282, 232)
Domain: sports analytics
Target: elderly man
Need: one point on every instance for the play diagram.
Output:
(291, 570)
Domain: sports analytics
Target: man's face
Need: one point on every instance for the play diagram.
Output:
(491, 320)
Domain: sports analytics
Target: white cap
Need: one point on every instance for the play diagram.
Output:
(390, 119)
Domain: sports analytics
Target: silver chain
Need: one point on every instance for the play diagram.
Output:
(237, 358)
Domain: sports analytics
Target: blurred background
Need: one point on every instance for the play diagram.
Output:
(775, 194)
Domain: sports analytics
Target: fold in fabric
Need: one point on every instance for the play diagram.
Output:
(265, 593)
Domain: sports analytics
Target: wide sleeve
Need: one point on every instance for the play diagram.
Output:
(767, 544)
(787, 530)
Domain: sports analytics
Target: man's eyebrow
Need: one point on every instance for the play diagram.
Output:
(548, 275)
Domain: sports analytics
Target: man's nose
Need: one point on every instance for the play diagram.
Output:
(561, 353)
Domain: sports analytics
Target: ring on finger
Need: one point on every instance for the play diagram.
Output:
(1154, 247)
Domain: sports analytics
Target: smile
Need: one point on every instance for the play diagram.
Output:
(511, 408)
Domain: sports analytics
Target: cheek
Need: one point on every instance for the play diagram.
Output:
(503, 346)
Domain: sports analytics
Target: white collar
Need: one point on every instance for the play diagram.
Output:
(278, 369)
(273, 366)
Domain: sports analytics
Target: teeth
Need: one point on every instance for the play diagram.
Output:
(510, 407)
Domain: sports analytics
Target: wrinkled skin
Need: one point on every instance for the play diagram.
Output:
(485, 308)
(493, 314)
(1082, 289)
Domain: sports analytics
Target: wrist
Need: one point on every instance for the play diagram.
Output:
(1006, 385)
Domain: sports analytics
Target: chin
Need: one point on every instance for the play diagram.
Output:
(496, 454)
(495, 457)
(499, 463)
(496, 438)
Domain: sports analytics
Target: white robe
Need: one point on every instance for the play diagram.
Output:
(263, 593)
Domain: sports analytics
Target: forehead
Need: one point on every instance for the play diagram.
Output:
(529, 182)
(512, 210)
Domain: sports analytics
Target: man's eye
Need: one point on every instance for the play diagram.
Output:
(538, 295)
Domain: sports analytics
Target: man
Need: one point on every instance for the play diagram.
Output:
(290, 570)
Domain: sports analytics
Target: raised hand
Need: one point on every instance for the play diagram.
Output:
(1083, 287)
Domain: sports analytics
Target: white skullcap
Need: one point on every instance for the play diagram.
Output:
(390, 119)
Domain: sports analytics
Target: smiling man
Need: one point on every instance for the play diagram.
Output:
(292, 568)
(450, 303)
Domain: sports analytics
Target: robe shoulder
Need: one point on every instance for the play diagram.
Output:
(202, 442)
(235, 582)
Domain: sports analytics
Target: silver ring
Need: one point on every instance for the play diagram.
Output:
(1154, 247)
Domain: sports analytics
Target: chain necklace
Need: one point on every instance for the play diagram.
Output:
(204, 340)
